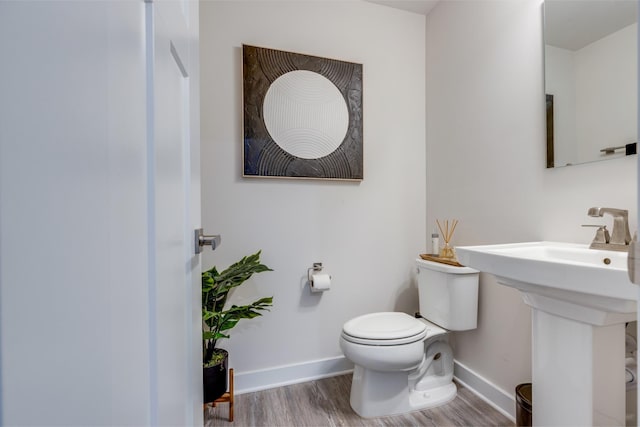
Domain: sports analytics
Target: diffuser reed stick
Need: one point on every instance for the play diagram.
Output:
(447, 233)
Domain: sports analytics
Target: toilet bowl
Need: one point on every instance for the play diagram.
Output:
(404, 363)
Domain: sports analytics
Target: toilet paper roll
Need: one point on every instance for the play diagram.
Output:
(320, 282)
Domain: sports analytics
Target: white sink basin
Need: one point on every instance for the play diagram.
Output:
(581, 299)
(564, 271)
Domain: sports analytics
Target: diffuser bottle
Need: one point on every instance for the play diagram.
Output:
(435, 244)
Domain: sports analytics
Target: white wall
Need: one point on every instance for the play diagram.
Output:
(366, 234)
(486, 167)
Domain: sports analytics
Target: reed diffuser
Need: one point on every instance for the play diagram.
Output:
(447, 250)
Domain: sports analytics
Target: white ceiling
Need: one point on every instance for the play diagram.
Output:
(417, 6)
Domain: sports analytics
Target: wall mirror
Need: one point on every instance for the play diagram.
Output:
(591, 87)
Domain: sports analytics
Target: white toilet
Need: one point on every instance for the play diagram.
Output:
(403, 363)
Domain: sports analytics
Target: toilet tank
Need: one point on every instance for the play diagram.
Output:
(448, 295)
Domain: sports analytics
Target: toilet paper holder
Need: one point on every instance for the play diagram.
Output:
(318, 282)
(317, 266)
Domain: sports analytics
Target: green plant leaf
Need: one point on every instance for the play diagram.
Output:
(215, 291)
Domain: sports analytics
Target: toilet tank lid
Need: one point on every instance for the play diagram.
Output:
(444, 268)
(385, 325)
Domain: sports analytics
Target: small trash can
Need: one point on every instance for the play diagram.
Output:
(523, 404)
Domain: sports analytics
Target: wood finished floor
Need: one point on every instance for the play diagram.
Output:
(325, 402)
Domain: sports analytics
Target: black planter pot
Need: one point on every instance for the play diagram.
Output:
(214, 379)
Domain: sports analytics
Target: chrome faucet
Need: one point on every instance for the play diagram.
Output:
(620, 235)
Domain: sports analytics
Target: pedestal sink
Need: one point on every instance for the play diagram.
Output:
(581, 299)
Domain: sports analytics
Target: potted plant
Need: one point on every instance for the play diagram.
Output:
(217, 321)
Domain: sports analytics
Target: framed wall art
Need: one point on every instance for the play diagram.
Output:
(302, 116)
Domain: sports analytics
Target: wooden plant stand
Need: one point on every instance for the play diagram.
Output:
(227, 397)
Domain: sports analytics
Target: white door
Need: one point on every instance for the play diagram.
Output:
(177, 308)
(89, 334)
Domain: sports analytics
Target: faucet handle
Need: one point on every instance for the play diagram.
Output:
(620, 235)
(602, 234)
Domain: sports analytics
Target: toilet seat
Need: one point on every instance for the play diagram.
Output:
(384, 329)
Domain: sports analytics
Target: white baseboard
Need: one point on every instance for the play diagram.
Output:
(486, 390)
(247, 382)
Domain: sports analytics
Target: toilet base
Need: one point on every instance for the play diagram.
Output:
(379, 394)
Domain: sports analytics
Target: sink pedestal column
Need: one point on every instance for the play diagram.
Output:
(578, 365)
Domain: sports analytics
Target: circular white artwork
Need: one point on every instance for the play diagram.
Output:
(305, 114)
